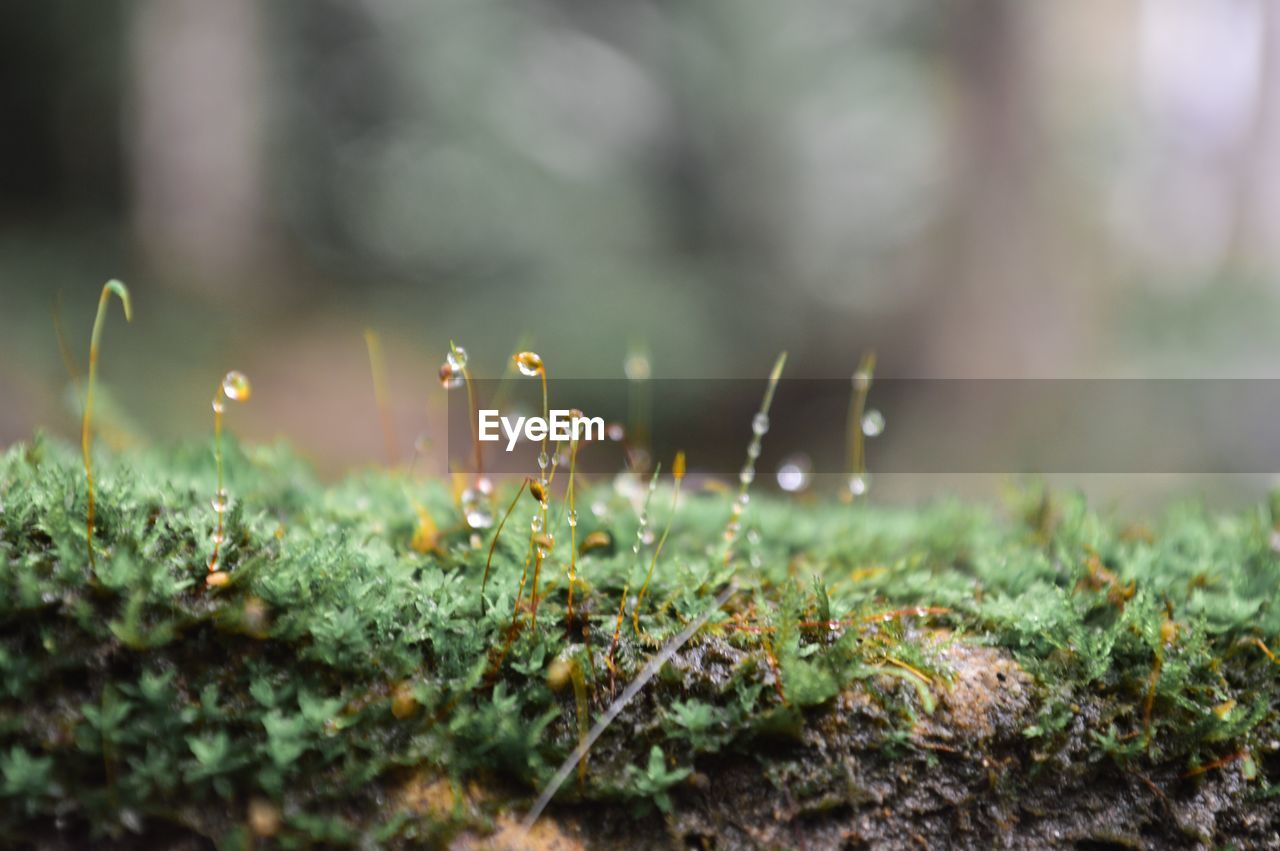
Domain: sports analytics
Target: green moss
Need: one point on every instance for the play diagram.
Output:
(132, 696)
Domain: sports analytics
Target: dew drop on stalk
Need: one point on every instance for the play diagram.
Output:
(760, 424)
(793, 474)
(747, 475)
(456, 359)
(530, 363)
(236, 386)
(615, 432)
(859, 484)
(220, 502)
(636, 367)
(450, 378)
(218, 406)
(536, 523)
(543, 460)
(474, 510)
(479, 517)
(573, 518)
(873, 423)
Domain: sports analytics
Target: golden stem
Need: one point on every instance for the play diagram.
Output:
(378, 370)
(219, 403)
(857, 408)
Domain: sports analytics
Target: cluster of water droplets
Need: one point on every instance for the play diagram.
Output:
(759, 428)
(644, 535)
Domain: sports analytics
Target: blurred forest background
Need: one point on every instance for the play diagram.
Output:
(983, 188)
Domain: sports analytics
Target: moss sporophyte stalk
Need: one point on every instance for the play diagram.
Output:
(375, 666)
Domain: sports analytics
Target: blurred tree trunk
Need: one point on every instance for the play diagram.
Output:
(1256, 175)
(196, 94)
(1003, 309)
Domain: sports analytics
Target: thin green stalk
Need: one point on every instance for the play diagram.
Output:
(112, 286)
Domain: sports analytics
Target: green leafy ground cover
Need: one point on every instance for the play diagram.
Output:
(879, 668)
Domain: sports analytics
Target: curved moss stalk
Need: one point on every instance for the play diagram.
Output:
(493, 545)
(86, 430)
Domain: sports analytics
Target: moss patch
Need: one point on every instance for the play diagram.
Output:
(1042, 674)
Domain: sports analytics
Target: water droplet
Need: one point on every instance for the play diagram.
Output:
(859, 483)
(872, 423)
(530, 363)
(861, 380)
(793, 475)
(236, 386)
(450, 378)
(474, 509)
(747, 476)
(753, 536)
(485, 485)
(646, 537)
(599, 509)
(220, 501)
(753, 450)
(218, 407)
(457, 358)
(615, 432)
(760, 424)
(543, 460)
(743, 499)
(636, 367)
(536, 523)
(573, 519)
